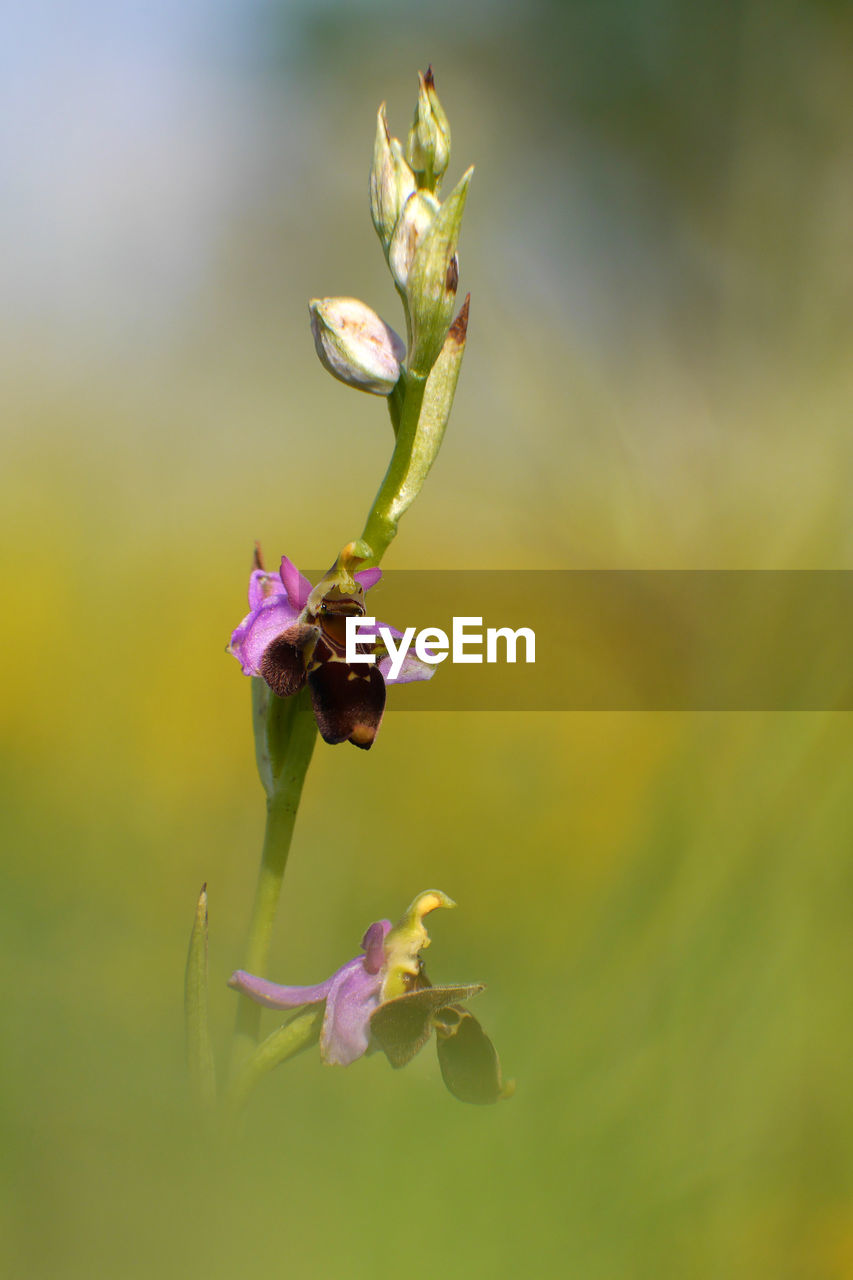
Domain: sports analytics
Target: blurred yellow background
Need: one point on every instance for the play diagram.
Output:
(658, 375)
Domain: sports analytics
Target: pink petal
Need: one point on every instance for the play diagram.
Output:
(368, 577)
(273, 996)
(259, 629)
(373, 944)
(346, 1027)
(297, 587)
(262, 585)
(412, 669)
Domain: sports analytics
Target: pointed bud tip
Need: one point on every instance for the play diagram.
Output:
(429, 78)
(459, 329)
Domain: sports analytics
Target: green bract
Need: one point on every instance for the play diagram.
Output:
(433, 280)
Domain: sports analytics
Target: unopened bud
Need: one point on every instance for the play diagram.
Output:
(391, 181)
(416, 219)
(428, 144)
(355, 345)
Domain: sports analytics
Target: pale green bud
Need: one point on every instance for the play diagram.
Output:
(428, 144)
(391, 181)
(355, 345)
(417, 217)
(433, 279)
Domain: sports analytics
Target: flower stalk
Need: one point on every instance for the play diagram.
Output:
(422, 411)
(383, 518)
(291, 644)
(285, 734)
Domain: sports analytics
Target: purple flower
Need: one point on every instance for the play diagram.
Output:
(295, 633)
(383, 999)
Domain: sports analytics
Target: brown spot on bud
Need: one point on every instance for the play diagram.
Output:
(459, 328)
(452, 281)
(429, 78)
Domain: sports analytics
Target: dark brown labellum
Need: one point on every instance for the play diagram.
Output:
(285, 660)
(348, 701)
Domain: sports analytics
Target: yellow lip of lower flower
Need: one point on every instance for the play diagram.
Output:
(407, 940)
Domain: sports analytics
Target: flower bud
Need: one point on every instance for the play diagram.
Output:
(355, 345)
(428, 144)
(391, 181)
(433, 279)
(416, 218)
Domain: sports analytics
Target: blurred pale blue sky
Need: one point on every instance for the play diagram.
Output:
(122, 149)
(134, 138)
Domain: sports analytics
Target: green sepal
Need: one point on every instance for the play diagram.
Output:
(432, 281)
(402, 1026)
(200, 1065)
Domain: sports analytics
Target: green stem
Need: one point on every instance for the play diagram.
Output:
(291, 732)
(396, 401)
(381, 527)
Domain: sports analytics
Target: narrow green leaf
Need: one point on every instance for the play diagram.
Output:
(199, 1050)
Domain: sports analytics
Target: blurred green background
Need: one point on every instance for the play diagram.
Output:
(658, 376)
